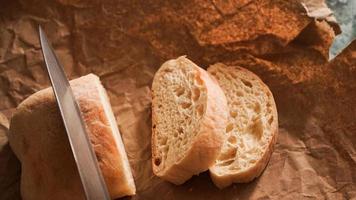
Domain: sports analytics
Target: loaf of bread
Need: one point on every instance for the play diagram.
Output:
(189, 113)
(38, 138)
(252, 127)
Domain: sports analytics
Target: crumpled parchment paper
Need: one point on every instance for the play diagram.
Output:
(125, 42)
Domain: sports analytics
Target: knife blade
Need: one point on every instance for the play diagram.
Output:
(86, 161)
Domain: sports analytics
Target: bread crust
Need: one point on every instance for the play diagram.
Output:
(207, 143)
(222, 181)
(39, 140)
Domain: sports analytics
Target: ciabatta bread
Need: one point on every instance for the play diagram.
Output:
(189, 113)
(38, 138)
(252, 127)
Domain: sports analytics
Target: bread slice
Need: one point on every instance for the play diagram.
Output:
(252, 127)
(189, 113)
(39, 140)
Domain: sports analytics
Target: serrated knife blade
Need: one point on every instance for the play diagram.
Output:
(86, 161)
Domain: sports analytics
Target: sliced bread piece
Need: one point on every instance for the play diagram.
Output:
(189, 113)
(252, 127)
(38, 138)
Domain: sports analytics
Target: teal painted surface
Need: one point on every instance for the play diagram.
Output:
(345, 13)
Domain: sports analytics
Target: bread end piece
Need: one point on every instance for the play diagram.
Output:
(39, 140)
(180, 82)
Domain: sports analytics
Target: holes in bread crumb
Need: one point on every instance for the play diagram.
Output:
(239, 93)
(154, 126)
(247, 83)
(184, 70)
(257, 128)
(179, 91)
(268, 105)
(189, 94)
(228, 154)
(252, 161)
(229, 127)
(168, 70)
(198, 80)
(180, 130)
(257, 108)
(270, 120)
(185, 105)
(157, 161)
(232, 139)
(163, 141)
(196, 94)
(226, 162)
(166, 148)
(185, 142)
(241, 145)
(200, 110)
(233, 113)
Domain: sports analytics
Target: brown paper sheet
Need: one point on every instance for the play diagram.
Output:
(125, 42)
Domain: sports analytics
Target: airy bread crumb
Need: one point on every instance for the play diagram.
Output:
(252, 127)
(189, 112)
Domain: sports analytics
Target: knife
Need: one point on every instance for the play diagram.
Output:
(84, 156)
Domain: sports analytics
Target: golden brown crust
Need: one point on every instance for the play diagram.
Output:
(38, 138)
(248, 175)
(208, 141)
